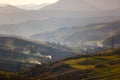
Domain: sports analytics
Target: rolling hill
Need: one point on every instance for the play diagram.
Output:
(55, 16)
(43, 25)
(22, 53)
(104, 65)
(76, 34)
(30, 47)
(15, 61)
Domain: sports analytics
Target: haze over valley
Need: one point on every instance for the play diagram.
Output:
(15, 21)
(59, 39)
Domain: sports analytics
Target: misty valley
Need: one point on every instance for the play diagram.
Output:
(65, 40)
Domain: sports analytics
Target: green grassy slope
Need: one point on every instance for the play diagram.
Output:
(105, 66)
(101, 66)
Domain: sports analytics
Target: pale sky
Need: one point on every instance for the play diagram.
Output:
(22, 2)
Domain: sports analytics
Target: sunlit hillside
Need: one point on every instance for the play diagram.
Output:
(59, 39)
(100, 66)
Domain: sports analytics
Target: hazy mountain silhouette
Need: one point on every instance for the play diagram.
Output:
(76, 34)
(69, 5)
(9, 9)
(63, 13)
(83, 5)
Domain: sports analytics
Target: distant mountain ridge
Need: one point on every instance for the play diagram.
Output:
(75, 35)
(58, 15)
(82, 5)
(9, 9)
(50, 24)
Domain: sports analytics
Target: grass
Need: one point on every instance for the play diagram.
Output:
(90, 62)
(96, 67)
(109, 71)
